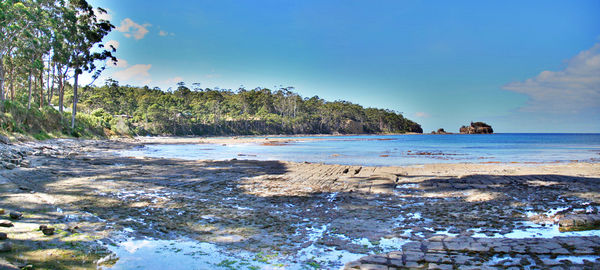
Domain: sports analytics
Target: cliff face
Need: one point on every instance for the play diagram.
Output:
(477, 128)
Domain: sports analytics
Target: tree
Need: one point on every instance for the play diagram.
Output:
(15, 19)
(85, 31)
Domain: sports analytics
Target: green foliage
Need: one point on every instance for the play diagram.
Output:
(46, 123)
(144, 111)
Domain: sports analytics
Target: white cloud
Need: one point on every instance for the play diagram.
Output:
(121, 63)
(103, 16)
(173, 80)
(136, 73)
(130, 28)
(113, 43)
(571, 90)
(422, 115)
(164, 33)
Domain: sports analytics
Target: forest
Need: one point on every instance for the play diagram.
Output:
(45, 45)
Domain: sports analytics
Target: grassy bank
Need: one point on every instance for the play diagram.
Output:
(45, 123)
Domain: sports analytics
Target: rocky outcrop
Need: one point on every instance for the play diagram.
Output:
(579, 222)
(477, 128)
(353, 127)
(440, 131)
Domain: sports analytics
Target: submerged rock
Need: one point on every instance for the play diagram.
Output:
(3, 236)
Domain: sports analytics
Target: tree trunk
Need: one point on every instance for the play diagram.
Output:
(41, 88)
(61, 90)
(74, 112)
(51, 90)
(48, 81)
(29, 86)
(2, 78)
(12, 86)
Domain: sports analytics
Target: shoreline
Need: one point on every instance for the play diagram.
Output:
(277, 141)
(281, 209)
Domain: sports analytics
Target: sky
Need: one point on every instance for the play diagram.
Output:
(521, 66)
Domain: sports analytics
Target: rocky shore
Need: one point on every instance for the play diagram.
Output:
(293, 215)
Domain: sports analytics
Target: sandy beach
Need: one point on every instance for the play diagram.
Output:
(445, 215)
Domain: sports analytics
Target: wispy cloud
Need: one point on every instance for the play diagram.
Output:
(136, 73)
(113, 43)
(172, 81)
(129, 28)
(570, 90)
(164, 33)
(422, 115)
(121, 63)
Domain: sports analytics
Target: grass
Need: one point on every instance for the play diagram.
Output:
(46, 123)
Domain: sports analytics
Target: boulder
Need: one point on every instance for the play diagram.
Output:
(477, 128)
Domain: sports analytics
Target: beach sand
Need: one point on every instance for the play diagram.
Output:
(443, 214)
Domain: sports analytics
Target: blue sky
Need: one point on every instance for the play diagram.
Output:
(522, 66)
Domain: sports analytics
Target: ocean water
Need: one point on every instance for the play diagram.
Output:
(398, 150)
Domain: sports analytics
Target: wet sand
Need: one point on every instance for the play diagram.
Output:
(295, 214)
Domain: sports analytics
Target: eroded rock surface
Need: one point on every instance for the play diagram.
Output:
(302, 212)
(444, 252)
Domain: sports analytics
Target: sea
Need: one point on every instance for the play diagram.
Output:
(396, 150)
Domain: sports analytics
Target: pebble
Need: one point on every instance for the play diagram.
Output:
(8, 165)
(15, 215)
(6, 223)
(48, 231)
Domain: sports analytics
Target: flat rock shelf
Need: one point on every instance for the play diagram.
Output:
(152, 213)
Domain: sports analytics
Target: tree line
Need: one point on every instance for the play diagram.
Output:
(197, 111)
(45, 43)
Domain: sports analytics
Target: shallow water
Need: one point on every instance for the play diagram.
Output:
(398, 150)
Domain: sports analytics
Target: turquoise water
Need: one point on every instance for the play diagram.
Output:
(399, 150)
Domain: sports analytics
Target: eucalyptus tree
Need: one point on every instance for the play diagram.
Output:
(35, 43)
(15, 20)
(82, 37)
